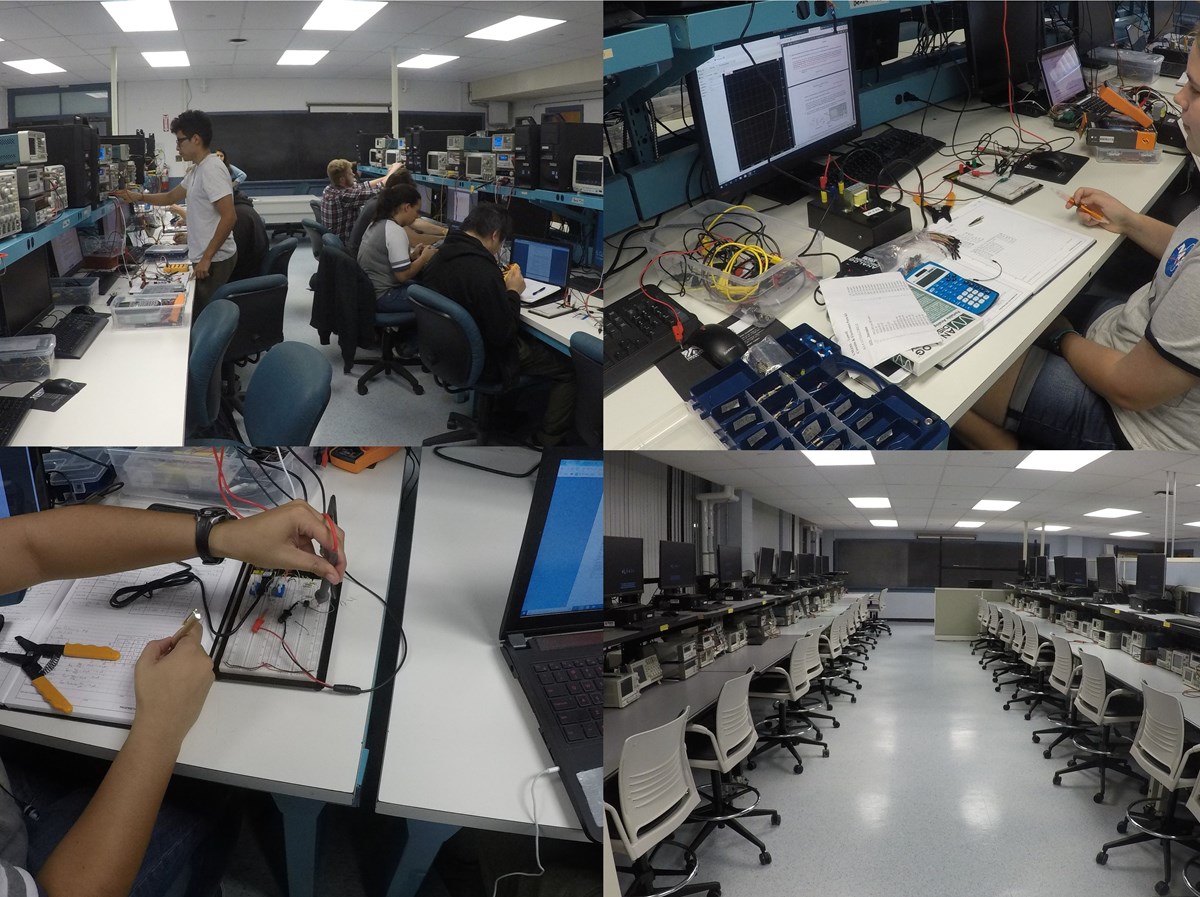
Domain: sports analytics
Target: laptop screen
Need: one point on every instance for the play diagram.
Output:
(68, 255)
(544, 262)
(1062, 73)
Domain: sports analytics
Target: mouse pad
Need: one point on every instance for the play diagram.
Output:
(1071, 165)
(684, 373)
(54, 395)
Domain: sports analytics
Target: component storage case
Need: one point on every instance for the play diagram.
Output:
(803, 405)
(27, 357)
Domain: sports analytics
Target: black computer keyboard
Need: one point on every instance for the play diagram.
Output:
(75, 333)
(637, 335)
(575, 689)
(12, 411)
(871, 154)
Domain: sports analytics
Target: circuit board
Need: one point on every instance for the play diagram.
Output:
(278, 632)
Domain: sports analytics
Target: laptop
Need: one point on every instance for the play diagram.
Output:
(68, 260)
(1062, 74)
(551, 632)
(545, 267)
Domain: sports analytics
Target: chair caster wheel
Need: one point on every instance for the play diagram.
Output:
(836, 724)
(1102, 858)
(1161, 887)
(1005, 706)
(1037, 739)
(853, 699)
(1046, 753)
(864, 667)
(750, 764)
(362, 390)
(776, 819)
(797, 769)
(825, 753)
(1122, 826)
(997, 689)
(1029, 715)
(858, 686)
(765, 859)
(1057, 780)
(1098, 798)
(715, 892)
(418, 390)
(1071, 762)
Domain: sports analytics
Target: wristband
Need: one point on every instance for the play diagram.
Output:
(1055, 343)
(206, 519)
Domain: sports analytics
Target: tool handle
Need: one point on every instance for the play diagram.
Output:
(95, 652)
(52, 695)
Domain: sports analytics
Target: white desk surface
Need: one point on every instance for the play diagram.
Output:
(283, 740)
(463, 744)
(648, 413)
(136, 392)
(563, 327)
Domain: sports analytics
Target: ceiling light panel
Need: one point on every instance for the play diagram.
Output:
(995, 504)
(839, 459)
(1111, 513)
(884, 523)
(1065, 461)
(35, 66)
(517, 26)
(425, 61)
(342, 15)
(302, 57)
(141, 15)
(1129, 533)
(870, 503)
(167, 59)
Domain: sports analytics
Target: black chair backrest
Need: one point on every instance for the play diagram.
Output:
(445, 346)
(261, 301)
(589, 384)
(313, 231)
(279, 256)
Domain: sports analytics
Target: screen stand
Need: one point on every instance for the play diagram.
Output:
(785, 190)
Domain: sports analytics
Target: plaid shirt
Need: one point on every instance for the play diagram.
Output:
(340, 207)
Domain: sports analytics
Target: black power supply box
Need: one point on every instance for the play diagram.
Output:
(861, 228)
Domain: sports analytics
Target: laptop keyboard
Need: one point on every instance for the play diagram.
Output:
(575, 690)
(12, 411)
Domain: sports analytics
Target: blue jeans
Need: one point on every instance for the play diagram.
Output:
(196, 829)
(393, 299)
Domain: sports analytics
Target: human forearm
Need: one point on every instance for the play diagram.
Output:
(1152, 235)
(1099, 368)
(105, 846)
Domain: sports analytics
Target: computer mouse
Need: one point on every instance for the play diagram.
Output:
(82, 310)
(718, 344)
(67, 387)
(1052, 163)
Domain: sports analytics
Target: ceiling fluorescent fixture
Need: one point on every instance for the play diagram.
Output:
(1065, 461)
(1193, 523)
(839, 459)
(342, 15)
(1111, 513)
(141, 15)
(425, 61)
(35, 66)
(1050, 528)
(167, 59)
(969, 524)
(995, 504)
(517, 26)
(1129, 533)
(301, 57)
(884, 523)
(99, 95)
(870, 503)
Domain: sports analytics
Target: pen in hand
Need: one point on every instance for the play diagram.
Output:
(192, 619)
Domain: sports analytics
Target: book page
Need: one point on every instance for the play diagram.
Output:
(100, 689)
(875, 316)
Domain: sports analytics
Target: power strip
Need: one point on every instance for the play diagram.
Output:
(177, 268)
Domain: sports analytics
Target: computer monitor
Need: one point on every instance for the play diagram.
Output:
(1164, 12)
(1040, 569)
(1106, 573)
(1058, 567)
(1094, 26)
(1021, 567)
(1002, 44)
(22, 491)
(729, 565)
(1151, 576)
(1074, 571)
(67, 253)
(25, 292)
(805, 565)
(786, 561)
(767, 103)
(822, 564)
(676, 565)
(459, 204)
(623, 572)
(765, 571)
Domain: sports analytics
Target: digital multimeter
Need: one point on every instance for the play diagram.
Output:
(932, 278)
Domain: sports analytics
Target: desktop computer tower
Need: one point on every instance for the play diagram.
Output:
(560, 143)
(76, 147)
(527, 156)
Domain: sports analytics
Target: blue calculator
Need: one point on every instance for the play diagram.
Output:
(932, 278)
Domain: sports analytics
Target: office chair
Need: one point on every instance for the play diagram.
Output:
(1107, 710)
(1064, 678)
(983, 616)
(1158, 748)
(837, 664)
(587, 357)
(287, 395)
(814, 671)
(211, 334)
(785, 686)
(452, 348)
(316, 234)
(315, 205)
(875, 611)
(1190, 877)
(279, 256)
(654, 795)
(260, 302)
(1038, 658)
(721, 749)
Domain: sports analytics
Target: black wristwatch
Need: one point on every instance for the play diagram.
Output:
(206, 519)
(1055, 344)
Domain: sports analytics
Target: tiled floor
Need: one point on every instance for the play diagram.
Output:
(931, 788)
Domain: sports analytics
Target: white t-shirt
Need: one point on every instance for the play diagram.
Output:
(207, 182)
(383, 251)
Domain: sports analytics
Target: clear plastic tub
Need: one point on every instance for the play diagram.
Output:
(27, 357)
(74, 290)
(191, 475)
(1132, 66)
(786, 280)
(131, 312)
(1137, 156)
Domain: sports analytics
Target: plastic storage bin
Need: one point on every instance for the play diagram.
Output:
(804, 405)
(74, 290)
(27, 357)
(130, 312)
(191, 475)
(72, 479)
(1119, 154)
(1132, 66)
(784, 282)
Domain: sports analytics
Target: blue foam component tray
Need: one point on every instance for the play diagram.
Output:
(803, 404)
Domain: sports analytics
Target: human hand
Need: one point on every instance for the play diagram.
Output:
(200, 269)
(513, 279)
(180, 238)
(395, 166)
(281, 539)
(1115, 215)
(1054, 329)
(126, 195)
(171, 681)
